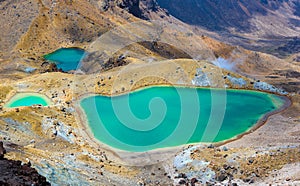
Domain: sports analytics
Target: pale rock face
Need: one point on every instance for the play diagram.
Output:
(56, 128)
(201, 79)
(268, 87)
(237, 81)
(184, 164)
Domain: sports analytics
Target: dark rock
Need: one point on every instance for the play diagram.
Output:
(226, 167)
(14, 173)
(135, 7)
(2, 150)
(211, 146)
(182, 182)
(230, 176)
(234, 170)
(221, 177)
(49, 67)
(182, 175)
(193, 181)
(225, 148)
(250, 161)
(210, 184)
(248, 180)
(297, 59)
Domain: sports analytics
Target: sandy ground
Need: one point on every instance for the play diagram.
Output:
(281, 131)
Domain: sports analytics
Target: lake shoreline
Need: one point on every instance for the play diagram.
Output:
(128, 157)
(19, 95)
(140, 88)
(287, 104)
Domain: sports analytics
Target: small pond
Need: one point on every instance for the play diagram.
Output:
(28, 99)
(66, 58)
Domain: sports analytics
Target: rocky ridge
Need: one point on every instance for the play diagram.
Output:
(18, 173)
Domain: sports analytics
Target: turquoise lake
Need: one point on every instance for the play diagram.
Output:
(66, 58)
(27, 99)
(159, 117)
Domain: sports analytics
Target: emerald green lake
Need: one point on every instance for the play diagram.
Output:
(66, 58)
(159, 117)
(28, 99)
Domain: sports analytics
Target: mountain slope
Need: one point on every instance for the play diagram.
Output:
(57, 24)
(251, 24)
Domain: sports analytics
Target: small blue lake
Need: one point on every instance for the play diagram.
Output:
(27, 99)
(66, 58)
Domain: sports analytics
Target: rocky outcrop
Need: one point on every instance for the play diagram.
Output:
(201, 79)
(267, 87)
(139, 8)
(133, 7)
(240, 82)
(16, 173)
